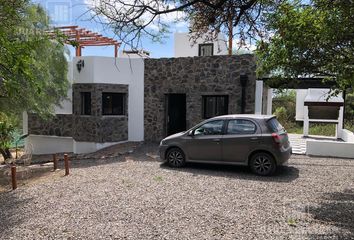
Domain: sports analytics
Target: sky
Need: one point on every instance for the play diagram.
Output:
(75, 12)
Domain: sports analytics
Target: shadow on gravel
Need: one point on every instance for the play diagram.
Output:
(336, 209)
(283, 174)
(10, 206)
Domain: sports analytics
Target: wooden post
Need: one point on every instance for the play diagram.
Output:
(115, 50)
(66, 162)
(55, 162)
(13, 177)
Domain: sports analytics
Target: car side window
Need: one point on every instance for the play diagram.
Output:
(210, 128)
(241, 126)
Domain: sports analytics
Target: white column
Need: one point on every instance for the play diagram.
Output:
(306, 121)
(339, 127)
(24, 122)
(269, 101)
(258, 97)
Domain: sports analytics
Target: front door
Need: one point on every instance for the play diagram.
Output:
(176, 113)
(205, 142)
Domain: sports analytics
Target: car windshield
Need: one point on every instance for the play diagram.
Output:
(274, 125)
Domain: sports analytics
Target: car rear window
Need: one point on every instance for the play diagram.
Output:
(274, 125)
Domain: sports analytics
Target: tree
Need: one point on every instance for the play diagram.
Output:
(313, 39)
(131, 20)
(235, 18)
(33, 67)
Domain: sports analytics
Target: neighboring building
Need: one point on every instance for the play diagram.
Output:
(134, 54)
(133, 98)
(184, 47)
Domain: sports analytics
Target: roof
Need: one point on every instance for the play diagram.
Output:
(321, 97)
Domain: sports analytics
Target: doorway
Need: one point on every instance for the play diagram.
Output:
(175, 113)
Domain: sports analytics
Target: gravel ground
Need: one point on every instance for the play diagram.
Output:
(136, 197)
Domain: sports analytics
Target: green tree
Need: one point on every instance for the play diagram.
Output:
(33, 67)
(313, 38)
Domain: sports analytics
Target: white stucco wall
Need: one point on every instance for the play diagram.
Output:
(88, 147)
(258, 97)
(330, 148)
(66, 106)
(183, 47)
(300, 99)
(128, 71)
(49, 144)
(347, 136)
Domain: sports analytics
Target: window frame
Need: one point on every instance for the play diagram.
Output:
(204, 100)
(205, 45)
(83, 112)
(123, 104)
(228, 122)
(214, 120)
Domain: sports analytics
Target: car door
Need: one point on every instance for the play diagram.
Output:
(204, 144)
(241, 136)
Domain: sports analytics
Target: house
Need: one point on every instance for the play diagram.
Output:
(113, 100)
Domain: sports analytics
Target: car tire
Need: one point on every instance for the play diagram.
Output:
(175, 158)
(263, 164)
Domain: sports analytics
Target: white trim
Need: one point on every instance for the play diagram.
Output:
(258, 97)
(269, 101)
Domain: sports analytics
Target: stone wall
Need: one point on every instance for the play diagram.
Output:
(86, 128)
(60, 125)
(194, 76)
(96, 95)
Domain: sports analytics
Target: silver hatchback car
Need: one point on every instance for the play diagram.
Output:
(258, 141)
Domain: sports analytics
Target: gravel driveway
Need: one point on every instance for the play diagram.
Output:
(135, 197)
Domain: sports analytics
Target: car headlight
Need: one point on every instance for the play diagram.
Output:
(162, 142)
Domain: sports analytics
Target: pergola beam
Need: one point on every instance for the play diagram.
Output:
(85, 38)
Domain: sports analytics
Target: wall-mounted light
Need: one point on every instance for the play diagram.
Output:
(80, 64)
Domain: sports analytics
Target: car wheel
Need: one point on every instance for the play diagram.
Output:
(263, 164)
(175, 157)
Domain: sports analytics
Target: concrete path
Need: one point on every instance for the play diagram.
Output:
(298, 143)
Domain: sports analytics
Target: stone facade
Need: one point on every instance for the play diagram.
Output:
(96, 91)
(60, 125)
(195, 77)
(86, 128)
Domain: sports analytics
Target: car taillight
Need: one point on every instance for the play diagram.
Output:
(277, 139)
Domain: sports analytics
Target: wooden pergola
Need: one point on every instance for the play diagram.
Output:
(85, 38)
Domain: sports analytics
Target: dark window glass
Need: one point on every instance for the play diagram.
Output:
(215, 106)
(85, 103)
(274, 125)
(210, 128)
(113, 104)
(206, 49)
(241, 126)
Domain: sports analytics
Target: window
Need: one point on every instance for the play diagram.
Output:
(113, 104)
(274, 125)
(206, 49)
(241, 126)
(85, 103)
(215, 106)
(210, 128)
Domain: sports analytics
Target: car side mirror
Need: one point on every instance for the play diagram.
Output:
(191, 133)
